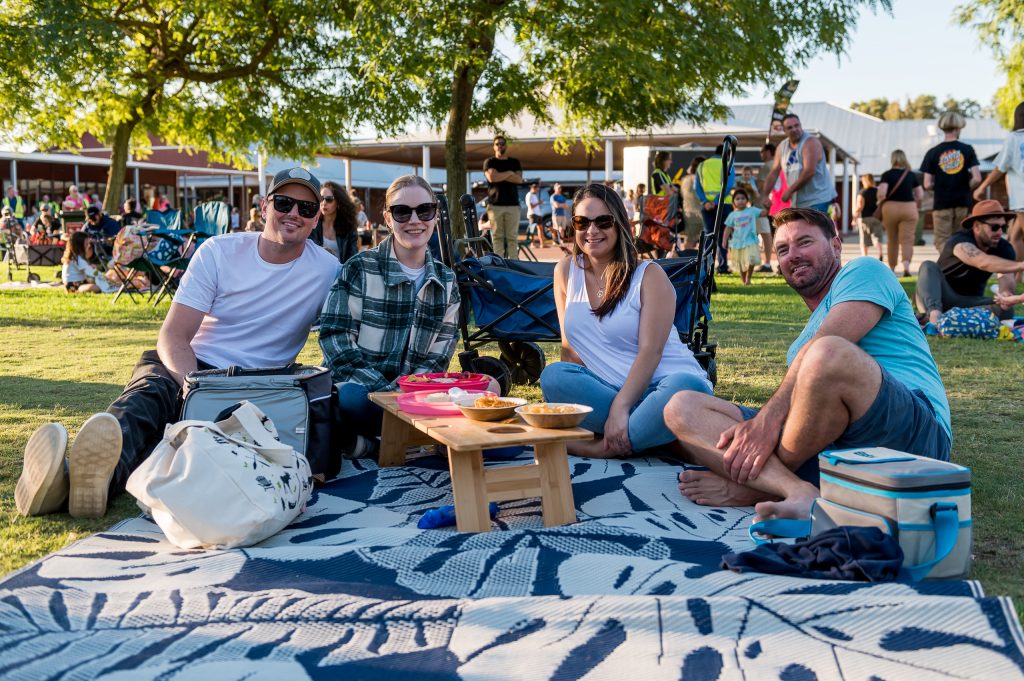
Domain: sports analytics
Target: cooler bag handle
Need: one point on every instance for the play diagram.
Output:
(835, 458)
(946, 525)
(235, 370)
(786, 528)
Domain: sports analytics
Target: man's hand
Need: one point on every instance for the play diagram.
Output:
(1006, 301)
(616, 432)
(979, 194)
(709, 205)
(747, 447)
(786, 195)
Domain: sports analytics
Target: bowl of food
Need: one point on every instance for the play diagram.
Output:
(488, 408)
(554, 414)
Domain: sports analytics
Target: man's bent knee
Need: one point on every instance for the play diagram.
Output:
(830, 358)
(682, 412)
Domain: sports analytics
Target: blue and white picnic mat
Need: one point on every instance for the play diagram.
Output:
(353, 590)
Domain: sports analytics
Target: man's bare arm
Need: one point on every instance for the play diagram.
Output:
(173, 344)
(929, 182)
(811, 155)
(750, 443)
(973, 256)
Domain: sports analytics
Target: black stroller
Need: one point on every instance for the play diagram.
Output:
(511, 302)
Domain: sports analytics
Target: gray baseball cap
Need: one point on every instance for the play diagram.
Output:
(295, 176)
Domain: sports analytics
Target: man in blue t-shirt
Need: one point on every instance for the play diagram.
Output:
(860, 375)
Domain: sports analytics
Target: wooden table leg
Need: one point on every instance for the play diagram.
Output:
(395, 437)
(556, 487)
(469, 490)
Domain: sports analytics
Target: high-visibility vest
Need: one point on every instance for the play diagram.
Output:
(665, 181)
(710, 173)
(52, 205)
(18, 207)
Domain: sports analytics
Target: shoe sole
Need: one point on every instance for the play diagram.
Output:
(92, 460)
(43, 487)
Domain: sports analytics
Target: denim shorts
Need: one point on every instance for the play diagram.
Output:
(899, 418)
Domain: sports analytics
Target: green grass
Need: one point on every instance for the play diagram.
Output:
(64, 357)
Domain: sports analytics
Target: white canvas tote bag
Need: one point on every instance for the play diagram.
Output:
(222, 485)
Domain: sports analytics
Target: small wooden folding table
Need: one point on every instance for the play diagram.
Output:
(473, 486)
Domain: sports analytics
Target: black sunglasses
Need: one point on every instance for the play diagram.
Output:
(327, 199)
(284, 204)
(995, 226)
(424, 211)
(601, 222)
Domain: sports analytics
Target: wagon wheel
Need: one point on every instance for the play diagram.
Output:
(493, 367)
(33, 277)
(525, 360)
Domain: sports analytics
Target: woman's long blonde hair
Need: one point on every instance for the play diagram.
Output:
(899, 160)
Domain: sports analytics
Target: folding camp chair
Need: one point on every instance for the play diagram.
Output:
(164, 219)
(131, 267)
(212, 218)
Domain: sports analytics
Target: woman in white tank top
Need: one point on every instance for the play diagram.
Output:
(621, 353)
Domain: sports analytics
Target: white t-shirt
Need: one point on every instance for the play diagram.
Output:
(416, 275)
(1011, 161)
(533, 201)
(257, 314)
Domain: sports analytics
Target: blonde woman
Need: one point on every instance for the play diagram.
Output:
(393, 310)
(621, 354)
(900, 196)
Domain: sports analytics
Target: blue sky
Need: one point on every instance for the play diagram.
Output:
(917, 50)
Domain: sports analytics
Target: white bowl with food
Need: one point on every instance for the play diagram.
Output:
(488, 408)
(554, 414)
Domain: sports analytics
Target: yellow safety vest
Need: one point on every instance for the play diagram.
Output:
(18, 208)
(665, 181)
(711, 182)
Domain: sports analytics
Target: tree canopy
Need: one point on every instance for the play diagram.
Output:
(603, 65)
(918, 108)
(219, 75)
(1000, 27)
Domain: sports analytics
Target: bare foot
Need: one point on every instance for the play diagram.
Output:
(592, 449)
(707, 489)
(796, 505)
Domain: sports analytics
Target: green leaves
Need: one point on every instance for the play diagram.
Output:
(1000, 27)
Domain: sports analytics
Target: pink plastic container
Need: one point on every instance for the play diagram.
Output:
(467, 381)
(415, 403)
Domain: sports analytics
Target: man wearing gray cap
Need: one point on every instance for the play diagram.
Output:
(247, 299)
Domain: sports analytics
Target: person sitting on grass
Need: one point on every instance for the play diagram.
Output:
(621, 354)
(78, 272)
(969, 258)
(247, 300)
(741, 235)
(393, 311)
(860, 375)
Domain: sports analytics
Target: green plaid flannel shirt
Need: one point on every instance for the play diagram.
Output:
(374, 327)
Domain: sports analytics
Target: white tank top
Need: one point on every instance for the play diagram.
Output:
(609, 346)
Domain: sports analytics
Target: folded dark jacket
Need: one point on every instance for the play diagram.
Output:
(858, 553)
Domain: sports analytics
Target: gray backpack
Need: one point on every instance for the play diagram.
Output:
(924, 503)
(301, 401)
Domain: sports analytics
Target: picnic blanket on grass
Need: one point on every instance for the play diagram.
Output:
(354, 590)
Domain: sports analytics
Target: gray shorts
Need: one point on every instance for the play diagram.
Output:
(899, 418)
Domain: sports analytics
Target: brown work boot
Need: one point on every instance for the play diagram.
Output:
(93, 458)
(43, 485)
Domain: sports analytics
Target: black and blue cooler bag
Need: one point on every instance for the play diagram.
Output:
(925, 504)
(301, 400)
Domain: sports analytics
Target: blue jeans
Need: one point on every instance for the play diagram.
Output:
(357, 411)
(821, 207)
(567, 382)
(900, 418)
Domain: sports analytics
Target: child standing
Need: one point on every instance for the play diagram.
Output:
(741, 235)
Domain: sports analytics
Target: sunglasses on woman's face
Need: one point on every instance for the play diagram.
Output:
(284, 204)
(424, 211)
(601, 222)
(327, 199)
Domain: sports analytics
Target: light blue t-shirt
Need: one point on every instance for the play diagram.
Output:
(895, 342)
(744, 227)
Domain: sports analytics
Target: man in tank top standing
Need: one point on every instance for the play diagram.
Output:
(801, 158)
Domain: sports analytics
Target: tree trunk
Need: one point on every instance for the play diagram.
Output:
(118, 165)
(464, 82)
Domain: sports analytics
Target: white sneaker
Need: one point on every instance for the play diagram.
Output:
(93, 458)
(43, 485)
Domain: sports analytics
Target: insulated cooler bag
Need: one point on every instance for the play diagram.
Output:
(301, 401)
(924, 503)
